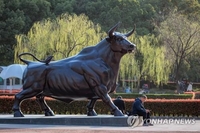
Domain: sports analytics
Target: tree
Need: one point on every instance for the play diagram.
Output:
(193, 67)
(148, 63)
(180, 36)
(63, 37)
(17, 16)
(11, 22)
(34, 10)
(108, 12)
(59, 7)
(190, 8)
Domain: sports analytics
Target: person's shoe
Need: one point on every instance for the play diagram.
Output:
(150, 124)
(145, 124)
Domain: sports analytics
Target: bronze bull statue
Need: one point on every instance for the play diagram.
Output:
(91, 74)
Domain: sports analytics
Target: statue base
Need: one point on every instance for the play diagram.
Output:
(75, 120)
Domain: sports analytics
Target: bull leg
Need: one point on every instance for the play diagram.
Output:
(90, 107)
(101, 91)
(40, 99)
(24, 94)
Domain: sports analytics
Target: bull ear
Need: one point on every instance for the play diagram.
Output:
(131, 32)
(110, 32)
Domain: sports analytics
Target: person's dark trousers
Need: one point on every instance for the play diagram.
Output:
(146, 117)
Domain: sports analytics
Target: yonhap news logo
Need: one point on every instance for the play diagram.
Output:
(179, 121)
(135, 121)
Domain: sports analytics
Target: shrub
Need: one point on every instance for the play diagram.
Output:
(197, 95)
(187, 95)
(154, 96)
(173, 107)
(159, 107)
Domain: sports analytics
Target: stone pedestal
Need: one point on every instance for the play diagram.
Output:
(75, 120)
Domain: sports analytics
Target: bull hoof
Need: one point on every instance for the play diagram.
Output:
(91, 113)
(18, 113)
(49, 113)
(118, 113)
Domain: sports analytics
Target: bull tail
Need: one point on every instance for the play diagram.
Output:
(46, 61)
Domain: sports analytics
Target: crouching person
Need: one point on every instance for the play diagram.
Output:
(138, 109)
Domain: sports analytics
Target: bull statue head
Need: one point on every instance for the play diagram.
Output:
(119, 42)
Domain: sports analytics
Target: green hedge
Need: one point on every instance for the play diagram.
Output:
(159, 107)
(134, 95)
(154, 96)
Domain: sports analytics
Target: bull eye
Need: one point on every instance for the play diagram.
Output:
(119, 39)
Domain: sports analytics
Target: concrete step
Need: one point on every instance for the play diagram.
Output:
(75, 120)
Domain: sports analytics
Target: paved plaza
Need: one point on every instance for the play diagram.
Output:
(160, 128)
(23, 128)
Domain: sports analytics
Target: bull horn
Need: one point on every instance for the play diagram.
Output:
(110, 32)
(131, 32)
